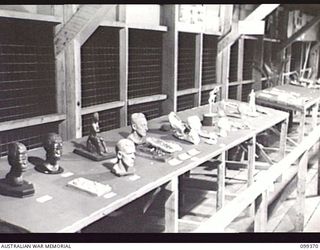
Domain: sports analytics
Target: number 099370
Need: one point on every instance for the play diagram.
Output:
(309, 246)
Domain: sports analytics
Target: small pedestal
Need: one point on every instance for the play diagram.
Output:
(209, 119)
(25, 190)
(93, 156)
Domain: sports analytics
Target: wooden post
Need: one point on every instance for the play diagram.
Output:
(283, 138)
(240, 68)
(251, 167)
(171, 207)
(73, 99)
(198, 68)
(301, 192)
(170, 58)
(258, 57)
(223, 57)
(221, 181)
(60, 74)
(261, 213)
(288, 64)
(123, 61)
(302, 125)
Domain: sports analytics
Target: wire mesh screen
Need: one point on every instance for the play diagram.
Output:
(27, 69)
(109, 119)
(151, 110)
(145, 63)
(32, 136)
(185, 102)
(186, 61)
(100, 67)
(295, 56)
(248, 58)
(246, 89)
(209, 56)
(233, 64)
(232, 92)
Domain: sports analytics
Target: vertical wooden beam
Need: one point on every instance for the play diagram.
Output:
(60, 74)
(221, 181)
(251, 168)
(123, 56)
(301, 192)
(73, 89)
(261, 213)
(258, 57)
(240, 67)
(171, 207)
(302, 124)
(170, 58)
(223, 57)
(198, 68)
(283, 138)
(288, 64)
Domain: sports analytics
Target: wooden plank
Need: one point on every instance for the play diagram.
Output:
(123, 73)
(73, 88)
(30, 16)
(301, 192)
(261, 12)
(283, 138)
(261, 213)
(27, 122)
(209, 86)
(170, 58)
(102, 107)
(300, 32)
(171, 207)
(187, 91)
(107, 23)
(81, 25)
(242, 82)
(146, 99)
(302, 125)
(198, 68)
(240, 68)
(146, 26)
(221, 181)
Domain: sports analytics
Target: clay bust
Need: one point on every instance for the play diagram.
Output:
(53, 147)
(95, 143)
(125, 150)
(139, 127)
(18, 160)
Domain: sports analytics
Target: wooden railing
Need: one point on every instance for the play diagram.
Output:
(257, 193)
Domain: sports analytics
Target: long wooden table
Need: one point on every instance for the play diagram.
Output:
(304, 99)
(70, 210)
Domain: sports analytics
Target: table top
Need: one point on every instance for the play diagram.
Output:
(70, 210)
(289, 97)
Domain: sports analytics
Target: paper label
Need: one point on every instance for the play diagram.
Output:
(174, 162)
(44, 198)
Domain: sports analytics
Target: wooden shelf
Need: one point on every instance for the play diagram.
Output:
(30, 16)
(187, 91)
(209, 86)
(101, 107)
(145, 99)
(147, 27)
(113, 24)
(27, 122)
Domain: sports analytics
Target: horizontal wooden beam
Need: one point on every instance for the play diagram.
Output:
(146, 99)
(107, 23)
(189, 28)
(27, 122)
(30, 16)
(81, 25)
(207, 87)
(242, 82)
(146, 26)
(261, 12)
(102, 107)
(187, 91)
(301, 31)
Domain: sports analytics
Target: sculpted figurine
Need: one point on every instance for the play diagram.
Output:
(125, 150)
(53, 147)
(139, 127)
(95, 143)
(252, 101)
(212, 98)
(96, 148)
(13, 184)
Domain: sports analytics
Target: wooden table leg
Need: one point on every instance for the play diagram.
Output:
(283, 138)
(302, 125)
(221, 181)
(301, 192)
(261, 213)
(251, 168)
(171, 207)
